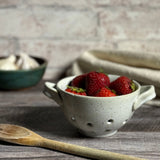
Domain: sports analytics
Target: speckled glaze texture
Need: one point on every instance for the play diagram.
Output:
(98, 116)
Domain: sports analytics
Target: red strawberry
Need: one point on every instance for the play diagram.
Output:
(79, 81)
(75, 90)
(95, 81)
(123, 85)
(105, 92)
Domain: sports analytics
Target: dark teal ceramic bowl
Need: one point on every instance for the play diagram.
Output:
(19, 79)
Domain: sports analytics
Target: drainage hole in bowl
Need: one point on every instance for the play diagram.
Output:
(90, 124)
(110, 121)
(107, 130)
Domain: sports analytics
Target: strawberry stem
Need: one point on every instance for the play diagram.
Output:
(76, 89)
(133, 86)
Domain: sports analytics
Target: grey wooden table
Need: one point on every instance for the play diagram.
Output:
(30, 108)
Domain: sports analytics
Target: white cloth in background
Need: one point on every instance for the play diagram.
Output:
(142, 67)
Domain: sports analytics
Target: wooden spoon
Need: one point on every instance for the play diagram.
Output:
(23, 136)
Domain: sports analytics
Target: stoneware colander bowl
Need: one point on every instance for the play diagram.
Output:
(98, 116)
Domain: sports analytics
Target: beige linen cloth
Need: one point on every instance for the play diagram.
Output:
(143, 67)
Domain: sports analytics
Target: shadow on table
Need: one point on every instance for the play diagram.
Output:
(47, 121)
(50, 121)
(145, 119)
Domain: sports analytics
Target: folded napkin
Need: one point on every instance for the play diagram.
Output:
(143, 67)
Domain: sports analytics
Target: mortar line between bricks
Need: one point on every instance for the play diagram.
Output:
(64, 7)
(8, 7)
(92, 7)
(130, 7)
(97, 39)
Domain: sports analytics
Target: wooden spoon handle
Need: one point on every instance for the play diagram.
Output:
(85, 151)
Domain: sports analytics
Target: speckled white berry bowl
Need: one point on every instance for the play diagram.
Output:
(98, 116)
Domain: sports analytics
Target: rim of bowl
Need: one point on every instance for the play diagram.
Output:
(71, 77)
(42, 65)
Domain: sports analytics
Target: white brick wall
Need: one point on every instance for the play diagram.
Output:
(130, 23)
(41, 22)
(61, 30)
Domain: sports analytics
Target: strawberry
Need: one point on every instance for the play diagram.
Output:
(95, 81)
(75, 90)
(105, 92)
(79, 81)
(123, 85)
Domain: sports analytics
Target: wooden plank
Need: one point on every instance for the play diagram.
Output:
(30, 108)
(145, 146)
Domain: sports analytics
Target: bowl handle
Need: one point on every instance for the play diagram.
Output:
(51, 92)
(146, 93)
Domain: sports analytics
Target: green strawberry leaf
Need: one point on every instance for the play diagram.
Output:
(133, 86)
(78, 90)
(100, 70)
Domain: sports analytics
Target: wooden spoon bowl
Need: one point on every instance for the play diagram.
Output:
(23, 136)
